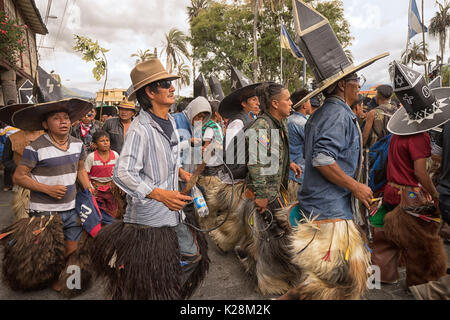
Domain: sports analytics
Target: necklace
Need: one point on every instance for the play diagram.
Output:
(54, 140)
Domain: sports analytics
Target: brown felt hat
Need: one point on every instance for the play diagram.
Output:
(147, 72)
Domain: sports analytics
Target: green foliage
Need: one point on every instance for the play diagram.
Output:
(12, 37)
(90, 51)
(445, 73)
(175, 48)
(222, 36)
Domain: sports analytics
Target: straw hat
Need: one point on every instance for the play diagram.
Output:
(127, 105)
(30, 118)
(147, 72)
(322, 50)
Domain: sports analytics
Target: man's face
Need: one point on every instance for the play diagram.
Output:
(251, 104)
(103, 143)
(283, 103)
(94, 113)
(58, 124)
(87, 118)
(352, 87)
(307, 107)
(165, 95)
(125, 114)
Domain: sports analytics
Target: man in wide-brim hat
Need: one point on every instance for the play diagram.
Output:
(333, 155)
(117, 127)
(12, 153)
(412, 222)
(50, 167)
(152, 253)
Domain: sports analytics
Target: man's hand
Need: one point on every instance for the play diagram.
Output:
(56, 192)
(261, 204)
(184, 175)
(363, 193)
(174, 200)
(296, 168)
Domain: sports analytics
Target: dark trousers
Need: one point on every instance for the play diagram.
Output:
(7, 178)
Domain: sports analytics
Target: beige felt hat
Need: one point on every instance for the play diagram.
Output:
(147, 72)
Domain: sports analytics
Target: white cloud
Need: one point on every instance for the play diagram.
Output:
(126, 26)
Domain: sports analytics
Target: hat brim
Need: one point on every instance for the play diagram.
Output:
(7, 112)
(339, 76)
(231, 104)
(398, 124)
(30, 118)
(149, 80)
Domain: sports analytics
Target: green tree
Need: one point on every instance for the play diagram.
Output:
(414, 52)
(195, 8)
(92, 52)
(222, 34)
(175, 48)
(184, 73)
(144, 55)
(439, 25)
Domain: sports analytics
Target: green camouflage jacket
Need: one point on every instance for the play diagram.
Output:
(268, 163)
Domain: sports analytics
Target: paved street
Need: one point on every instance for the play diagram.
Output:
(225, 280)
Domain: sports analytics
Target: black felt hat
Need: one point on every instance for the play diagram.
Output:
(423, 108)
(200, 88)
(216, 88)
(242, 88)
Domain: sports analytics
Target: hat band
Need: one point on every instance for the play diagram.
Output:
(425, 114)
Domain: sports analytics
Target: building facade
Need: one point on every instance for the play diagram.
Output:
(112, 97)
(13, 77)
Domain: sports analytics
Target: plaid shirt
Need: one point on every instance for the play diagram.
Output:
(149, 160)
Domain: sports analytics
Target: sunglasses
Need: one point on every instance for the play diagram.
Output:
(165, 84)
(89, 115)
(361, 80)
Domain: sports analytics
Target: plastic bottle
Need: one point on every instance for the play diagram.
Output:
(199, 202)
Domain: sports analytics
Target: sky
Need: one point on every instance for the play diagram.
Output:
(125, 26)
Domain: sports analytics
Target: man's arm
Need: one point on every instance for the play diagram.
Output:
(22, 178)
(336, 175)
(420, 171)
(368, 126)
(83, 177)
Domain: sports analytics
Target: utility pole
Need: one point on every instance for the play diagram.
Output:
(255, 47)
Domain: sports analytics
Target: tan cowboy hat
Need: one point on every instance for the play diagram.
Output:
(31, 118)
(147, 72)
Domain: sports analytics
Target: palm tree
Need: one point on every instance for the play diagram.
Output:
(439, 25)
(144, 55)
(185, 76)
(175, 48)
(195, 8)
(414, 53)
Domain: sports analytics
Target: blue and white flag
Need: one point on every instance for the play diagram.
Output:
(286, 42)
(414, 22)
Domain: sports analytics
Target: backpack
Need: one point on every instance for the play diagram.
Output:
(239, 166)
(378, 158)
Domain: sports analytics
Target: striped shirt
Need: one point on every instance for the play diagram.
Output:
(53, 166)
(149, 159)
(99, 170)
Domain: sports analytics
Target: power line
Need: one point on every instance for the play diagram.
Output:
(60, 25)
(47, 13)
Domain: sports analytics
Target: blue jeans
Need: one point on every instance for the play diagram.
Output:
(71, 223)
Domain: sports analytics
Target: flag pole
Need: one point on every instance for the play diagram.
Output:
(424, 44)
(281, 54)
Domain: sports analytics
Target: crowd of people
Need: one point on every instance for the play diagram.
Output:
(295, 185)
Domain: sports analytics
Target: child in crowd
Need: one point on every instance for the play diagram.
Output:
(99, 166)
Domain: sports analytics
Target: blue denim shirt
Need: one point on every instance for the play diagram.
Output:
(331, 136)
(296, 127)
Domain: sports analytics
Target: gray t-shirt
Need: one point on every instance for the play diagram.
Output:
(165, 125)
